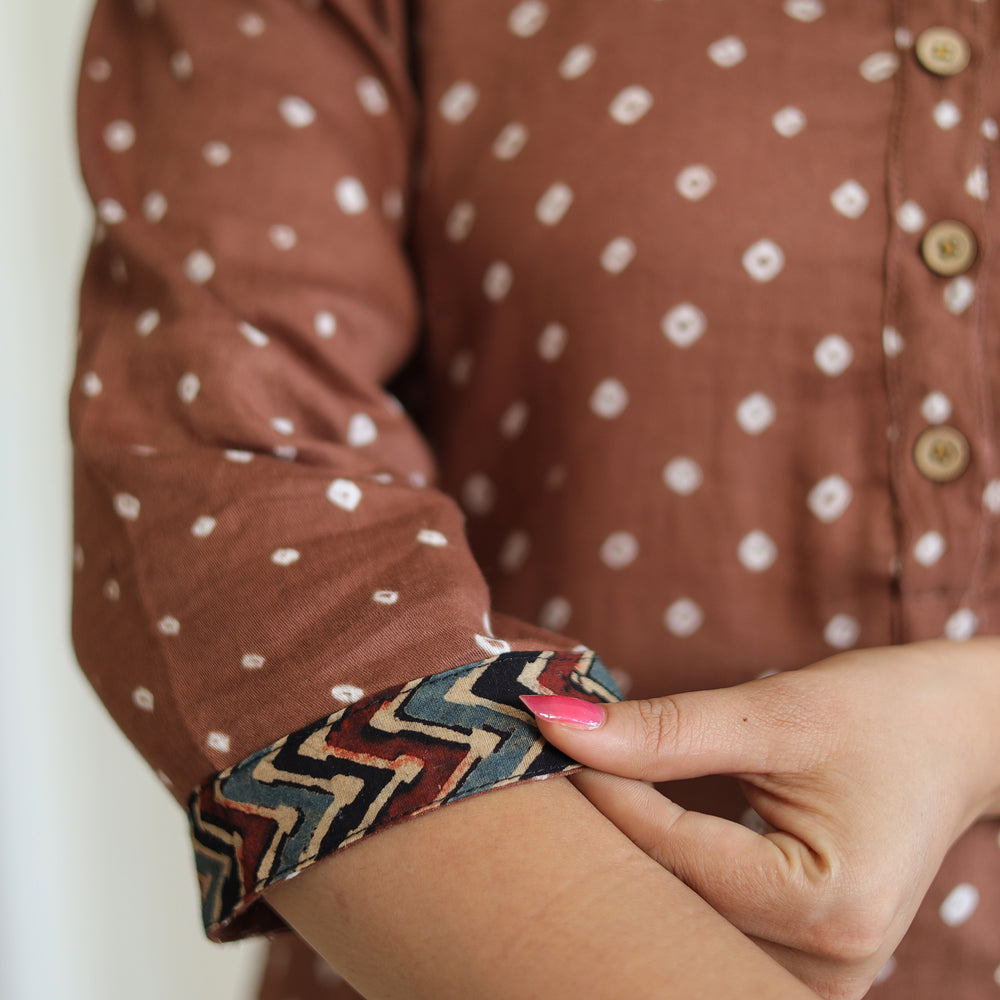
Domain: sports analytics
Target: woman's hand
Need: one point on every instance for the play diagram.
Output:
(866, 767)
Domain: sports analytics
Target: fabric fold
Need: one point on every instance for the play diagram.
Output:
(396, 754)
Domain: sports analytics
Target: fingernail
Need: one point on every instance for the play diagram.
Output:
(566, 711)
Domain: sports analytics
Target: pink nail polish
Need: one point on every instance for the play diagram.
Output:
(566, 711)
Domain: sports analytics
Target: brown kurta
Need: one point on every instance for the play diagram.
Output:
(437, 352)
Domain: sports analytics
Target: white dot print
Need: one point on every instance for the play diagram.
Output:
(188, 387)
(350, 195)
(977, 184)
(428, 536)
(630, 104)
(552, 341)
(99, 70)
(154, 206)
(372, 95)
(833, 355)
(361, 430)
(929, 548)
(728, 51)
(609, 399)
(695, 182)
(829, 498)
(218, 741)
(990, 130)
(203, 526)
(514, 418)
(684, 324)
(282, 237)
(577, 61)
(110, 211)
(788, 121)
(492, 646)
(143, 698)
(755, 413)
(617, 255)
(683, 617)
(552, 206)
(111, 590)
(903, 38)
(216, 153)
(325, 324)
(514, 551)
(804, 10)
(126, 506)
(682, 475)
(892, 341)
(458, 101)
(510, 141)
(757, 551)
(344, 493)
(119, 136)
(284, 557)
(961, 625)
(386, 597)
(850, 199)
(479, 493)
(251, 25)
(296, 111)
(288, 452)
(238, 455)
(181, 65)
(910, 217)
(991, 496)
(199, 266)
(528, 17)
(283, 425)
(497, 280)
(90, 384)
(555, 614)
(946, 114)
(842, 631)
(169, 625)
(764, 260)
(348, 693)
(619, 549)
(935, 408)
(252, 661)
(256, 337)
(879, 66)
(959, 294)
(458, 225)
(959, 904)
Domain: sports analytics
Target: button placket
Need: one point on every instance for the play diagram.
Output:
(935, 462)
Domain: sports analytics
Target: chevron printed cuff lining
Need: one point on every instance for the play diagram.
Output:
(396, 754)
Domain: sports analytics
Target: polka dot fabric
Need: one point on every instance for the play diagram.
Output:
(417, 340)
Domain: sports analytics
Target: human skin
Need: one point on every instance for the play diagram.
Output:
(524, 893)
(867, 766)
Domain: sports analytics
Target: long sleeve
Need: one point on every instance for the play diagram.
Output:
(272, 599)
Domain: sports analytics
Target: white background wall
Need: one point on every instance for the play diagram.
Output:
(98, 897)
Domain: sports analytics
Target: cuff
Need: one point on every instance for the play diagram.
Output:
(396, 754)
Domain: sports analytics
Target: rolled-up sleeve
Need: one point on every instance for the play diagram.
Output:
(272, 599)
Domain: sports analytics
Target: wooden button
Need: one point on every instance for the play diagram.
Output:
(941, 453)
(942, 51)
(949, 248)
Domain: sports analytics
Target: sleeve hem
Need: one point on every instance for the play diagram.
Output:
(399, 753)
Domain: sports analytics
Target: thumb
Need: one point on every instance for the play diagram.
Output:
(658, 739)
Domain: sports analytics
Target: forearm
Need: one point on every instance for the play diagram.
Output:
(524, 892)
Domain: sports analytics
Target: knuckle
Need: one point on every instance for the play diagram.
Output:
(657, 726)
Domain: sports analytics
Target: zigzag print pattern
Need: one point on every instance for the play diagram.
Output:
(397, 754)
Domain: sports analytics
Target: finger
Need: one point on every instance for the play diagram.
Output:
(660, 739)
(747, 877)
